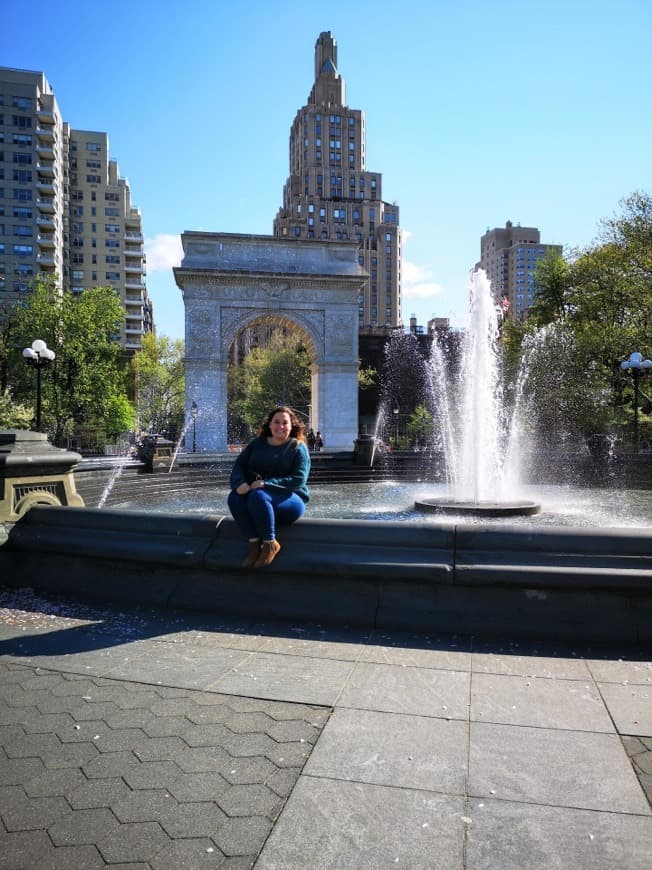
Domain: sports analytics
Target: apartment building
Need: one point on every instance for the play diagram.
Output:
(64, 209)
(330, 194)
(509, 256)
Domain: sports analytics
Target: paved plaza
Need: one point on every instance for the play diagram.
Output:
(135, 739)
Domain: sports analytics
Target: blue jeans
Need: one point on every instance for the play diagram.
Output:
(258, 511)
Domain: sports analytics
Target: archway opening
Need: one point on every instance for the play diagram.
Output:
(271, 361)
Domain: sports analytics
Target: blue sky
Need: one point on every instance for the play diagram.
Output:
(476, 113)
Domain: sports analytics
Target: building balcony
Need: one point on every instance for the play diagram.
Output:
(45, 152)
(133, 219)
(134, 300)
(45, 170)
(45, 134)
(132, 284)
(45, 187)
(135, 270)
(45, 206)
(133, 237)
(45, 261)
(45, 223)
(134, 252)
(45, 116)
(45, 241)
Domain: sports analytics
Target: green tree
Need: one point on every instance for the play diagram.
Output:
(88, 373)
(420, 425)
(277, 374)
(160, 384)
(12, 414)
(552, 283)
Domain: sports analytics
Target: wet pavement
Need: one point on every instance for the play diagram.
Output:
(149, 740)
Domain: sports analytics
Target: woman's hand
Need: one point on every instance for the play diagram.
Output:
(243, 489)
(257, 484)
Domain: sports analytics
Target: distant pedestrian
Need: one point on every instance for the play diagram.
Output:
(319, 441)
(310, 438)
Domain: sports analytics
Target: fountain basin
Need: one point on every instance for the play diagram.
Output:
(483, 580)
(478, 508)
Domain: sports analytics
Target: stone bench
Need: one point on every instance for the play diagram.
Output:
(565, 583)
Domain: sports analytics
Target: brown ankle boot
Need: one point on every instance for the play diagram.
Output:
(268, 552)
(252, 554)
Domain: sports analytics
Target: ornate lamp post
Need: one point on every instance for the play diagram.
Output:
(636, 366)
(194, 410)
(38, 355)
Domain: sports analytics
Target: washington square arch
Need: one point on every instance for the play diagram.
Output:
(230, 282)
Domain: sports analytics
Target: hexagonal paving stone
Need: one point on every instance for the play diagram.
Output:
(110, 765)
(293, 730)
(199, 819)
(149, 805)
(202, 759)
(243, 836)
(83, 826)
(98, 793)
(151, 774)
(191, 854)
(198, 786)
(55, 782)
(34, 814)
(252, 769)
(248, 800)
(140, 841)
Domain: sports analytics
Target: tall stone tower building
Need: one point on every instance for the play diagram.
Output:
(64, 209)
(509, 256)
(330, 194)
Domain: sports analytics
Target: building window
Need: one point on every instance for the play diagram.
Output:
(21, 212)
(93, 146)
(22, 231)
(22, 121)
(22, 195)
(93, 179)
(111, 212)
(22, 175)
(22, 139)
(112, 276)
(112, 259)
(23, 250)
(22, 157)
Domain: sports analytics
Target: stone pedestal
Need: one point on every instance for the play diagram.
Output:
(32, 471)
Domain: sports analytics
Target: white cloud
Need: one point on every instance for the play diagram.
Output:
(163, 252)
(418, 283)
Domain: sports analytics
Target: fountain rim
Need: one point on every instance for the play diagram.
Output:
(478, 508)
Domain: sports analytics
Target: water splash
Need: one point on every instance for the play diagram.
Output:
(115, 474)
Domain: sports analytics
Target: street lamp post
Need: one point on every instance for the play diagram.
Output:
(396, 421)
(38, 355)
(194, 410)
(636, 366)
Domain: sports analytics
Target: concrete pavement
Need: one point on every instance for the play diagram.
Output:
(146, 739)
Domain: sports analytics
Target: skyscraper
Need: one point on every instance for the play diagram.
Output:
(509, 256)
(329, 193)
(64, 209)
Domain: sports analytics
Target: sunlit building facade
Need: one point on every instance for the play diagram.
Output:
(509, 255)
(330, 194)
(64, 209)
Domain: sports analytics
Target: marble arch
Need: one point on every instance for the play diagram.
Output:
(229, 281)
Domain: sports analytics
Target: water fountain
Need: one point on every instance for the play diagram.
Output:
(479, 438)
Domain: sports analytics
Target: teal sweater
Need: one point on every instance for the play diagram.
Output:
(285, 467)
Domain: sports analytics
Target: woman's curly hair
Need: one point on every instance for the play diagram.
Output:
(298, 429)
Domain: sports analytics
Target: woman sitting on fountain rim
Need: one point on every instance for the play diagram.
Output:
(269, 484)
